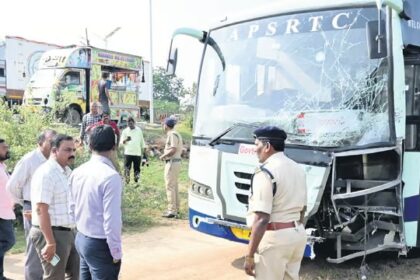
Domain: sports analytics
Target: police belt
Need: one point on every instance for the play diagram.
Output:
(278, 225)
(173, 160)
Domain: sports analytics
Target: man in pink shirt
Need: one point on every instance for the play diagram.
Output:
(7, 236)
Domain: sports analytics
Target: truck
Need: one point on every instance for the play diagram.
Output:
(19, 58)
(342, 78)
(67, 82)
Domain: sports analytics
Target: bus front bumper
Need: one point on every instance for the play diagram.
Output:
(231, 230)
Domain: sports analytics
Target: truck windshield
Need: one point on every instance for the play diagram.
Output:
(307, 73)
(45, 77)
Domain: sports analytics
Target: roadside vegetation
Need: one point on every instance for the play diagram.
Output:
(143, 203)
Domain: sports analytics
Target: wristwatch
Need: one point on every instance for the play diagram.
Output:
(115, 261)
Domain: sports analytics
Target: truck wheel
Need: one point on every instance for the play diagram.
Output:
(72, 116)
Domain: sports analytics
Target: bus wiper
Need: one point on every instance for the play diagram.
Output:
(216, 139)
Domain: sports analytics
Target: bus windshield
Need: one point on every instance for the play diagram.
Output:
(307, 73)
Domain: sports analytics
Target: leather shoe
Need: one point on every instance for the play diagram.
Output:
(169, 216)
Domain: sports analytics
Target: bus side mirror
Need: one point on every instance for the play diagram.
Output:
(376, 42)
(172, 61)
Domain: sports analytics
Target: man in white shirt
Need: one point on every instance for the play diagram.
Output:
(19, 186)
(53, 225)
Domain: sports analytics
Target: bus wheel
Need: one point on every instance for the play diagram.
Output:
(72, 116)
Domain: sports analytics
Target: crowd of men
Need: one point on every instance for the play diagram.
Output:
(72, 218)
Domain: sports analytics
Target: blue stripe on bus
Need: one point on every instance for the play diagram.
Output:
(225, 232)
(412, 208)
(213, 229)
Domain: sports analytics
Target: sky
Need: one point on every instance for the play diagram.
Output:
(64, 23)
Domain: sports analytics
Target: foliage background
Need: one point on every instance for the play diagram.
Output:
(143, 202)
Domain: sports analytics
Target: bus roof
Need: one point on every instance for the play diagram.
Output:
(410, 27)
(289, 6)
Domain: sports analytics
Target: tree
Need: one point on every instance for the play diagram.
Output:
(187, 101)
(165, 87)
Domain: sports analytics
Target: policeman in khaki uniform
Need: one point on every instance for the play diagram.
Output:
(276, 210)
(172, 157)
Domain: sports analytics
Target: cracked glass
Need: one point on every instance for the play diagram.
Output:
(307, 73)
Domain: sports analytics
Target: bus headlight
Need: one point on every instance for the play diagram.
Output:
(202, 190)
(209, 192)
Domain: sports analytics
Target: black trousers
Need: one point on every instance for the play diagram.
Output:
(134, 161)
(7, 240)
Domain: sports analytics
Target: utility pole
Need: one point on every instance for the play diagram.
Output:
(110, 34)
(152, 111)
(87, 38)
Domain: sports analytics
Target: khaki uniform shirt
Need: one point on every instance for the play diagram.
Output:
(174, 140)
(290, 197)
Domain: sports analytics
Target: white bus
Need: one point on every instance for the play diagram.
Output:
(342, 78)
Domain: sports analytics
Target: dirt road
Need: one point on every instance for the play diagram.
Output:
(175, 252)
(168, 252)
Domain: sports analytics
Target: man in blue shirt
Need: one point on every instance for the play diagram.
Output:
(97, 208)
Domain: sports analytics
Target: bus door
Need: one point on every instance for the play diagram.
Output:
(411, 166)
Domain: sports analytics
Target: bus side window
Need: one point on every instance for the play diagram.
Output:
(416, 102)
(412, 81)
(416, 92)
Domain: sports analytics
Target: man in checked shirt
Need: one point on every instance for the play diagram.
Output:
(88, 120)
(53, 226)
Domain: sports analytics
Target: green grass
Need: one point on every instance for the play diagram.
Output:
(185, 130)
(151, 134)
(144, 202)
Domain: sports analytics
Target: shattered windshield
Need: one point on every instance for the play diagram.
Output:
(307, 73)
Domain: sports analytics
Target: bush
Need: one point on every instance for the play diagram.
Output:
(189, 119)
(20, 128)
